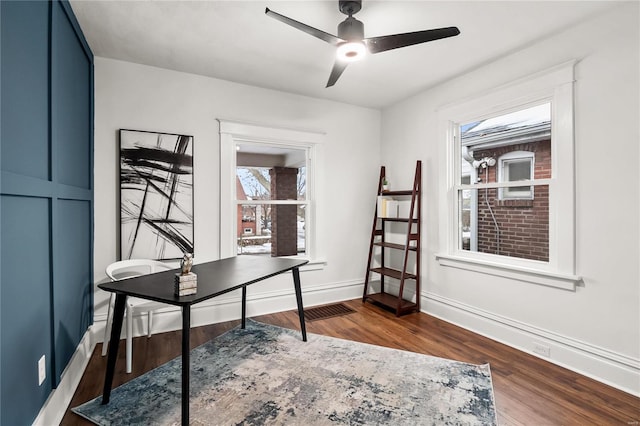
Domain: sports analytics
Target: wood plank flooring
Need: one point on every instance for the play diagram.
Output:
(528, 390)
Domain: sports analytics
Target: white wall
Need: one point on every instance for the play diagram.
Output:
(132, 96)
(596, 329)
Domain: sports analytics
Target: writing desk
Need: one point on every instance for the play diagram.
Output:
(214, 279)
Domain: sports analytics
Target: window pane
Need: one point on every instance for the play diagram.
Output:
(275, 230)
(465, 217)
(517, 192)
(514, 228)
(302, 184)
(483, 142)
(254, 183)
(270, 173)
(518, 170)
(254, 229)
(275, 183)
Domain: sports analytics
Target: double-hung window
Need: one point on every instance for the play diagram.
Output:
(271, 198)
(508, 188)
(268, 187)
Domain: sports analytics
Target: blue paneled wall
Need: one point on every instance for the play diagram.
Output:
(46, 200)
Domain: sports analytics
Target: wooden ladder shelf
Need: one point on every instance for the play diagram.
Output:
(378, 262)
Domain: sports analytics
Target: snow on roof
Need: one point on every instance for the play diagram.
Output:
(530, 117)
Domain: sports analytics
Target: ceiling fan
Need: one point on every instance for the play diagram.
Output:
(350, 42)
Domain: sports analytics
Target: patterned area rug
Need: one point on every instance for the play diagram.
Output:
(266, 375)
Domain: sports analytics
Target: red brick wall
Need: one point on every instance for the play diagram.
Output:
(524, 224)
(284, 218)
(250, 224)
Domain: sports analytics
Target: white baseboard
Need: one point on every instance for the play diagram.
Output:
(56, 404)
(228, 307)
(603, 365)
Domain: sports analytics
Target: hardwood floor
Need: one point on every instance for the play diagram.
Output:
(528, 390)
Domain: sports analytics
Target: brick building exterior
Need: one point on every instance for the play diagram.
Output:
(523, 223)
(510, 220)
(284, 218)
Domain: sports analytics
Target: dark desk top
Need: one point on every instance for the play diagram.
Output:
(214, 278)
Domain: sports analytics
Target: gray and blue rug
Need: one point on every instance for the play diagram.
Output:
(266, 375)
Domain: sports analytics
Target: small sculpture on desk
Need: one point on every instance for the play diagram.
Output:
(186, 281)
(186, 263)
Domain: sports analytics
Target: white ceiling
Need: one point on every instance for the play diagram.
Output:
(236, 41)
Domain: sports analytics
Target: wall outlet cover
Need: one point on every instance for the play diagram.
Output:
(541, 349)
(42, 370)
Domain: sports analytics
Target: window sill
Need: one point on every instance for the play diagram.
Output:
(313, 265)
(535, 276)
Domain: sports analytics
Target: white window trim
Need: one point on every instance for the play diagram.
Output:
(233, 133)
(507, 158)
(554, 85)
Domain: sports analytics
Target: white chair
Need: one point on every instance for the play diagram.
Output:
(127, 269)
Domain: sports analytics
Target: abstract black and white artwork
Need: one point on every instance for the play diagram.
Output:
(156, 195)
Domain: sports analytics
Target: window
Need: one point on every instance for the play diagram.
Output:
(509, 181)
(271, 196)
(500, 225)
(516, 167)
(268, 191)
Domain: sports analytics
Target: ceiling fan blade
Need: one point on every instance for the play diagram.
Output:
(336, 72)
(395, 41)
(329, 38)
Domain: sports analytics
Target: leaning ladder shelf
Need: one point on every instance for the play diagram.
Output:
(398, 303)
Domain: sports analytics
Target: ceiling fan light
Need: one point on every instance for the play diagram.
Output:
(351, 51)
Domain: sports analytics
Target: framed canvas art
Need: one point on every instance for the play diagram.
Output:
(156, 195)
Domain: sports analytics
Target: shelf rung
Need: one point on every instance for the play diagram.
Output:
(396, 219)
(395, 246)
(391, 301)
(406, 192)
(393, 273)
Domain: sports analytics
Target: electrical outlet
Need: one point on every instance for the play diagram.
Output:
(42, 370)
(541, 349)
